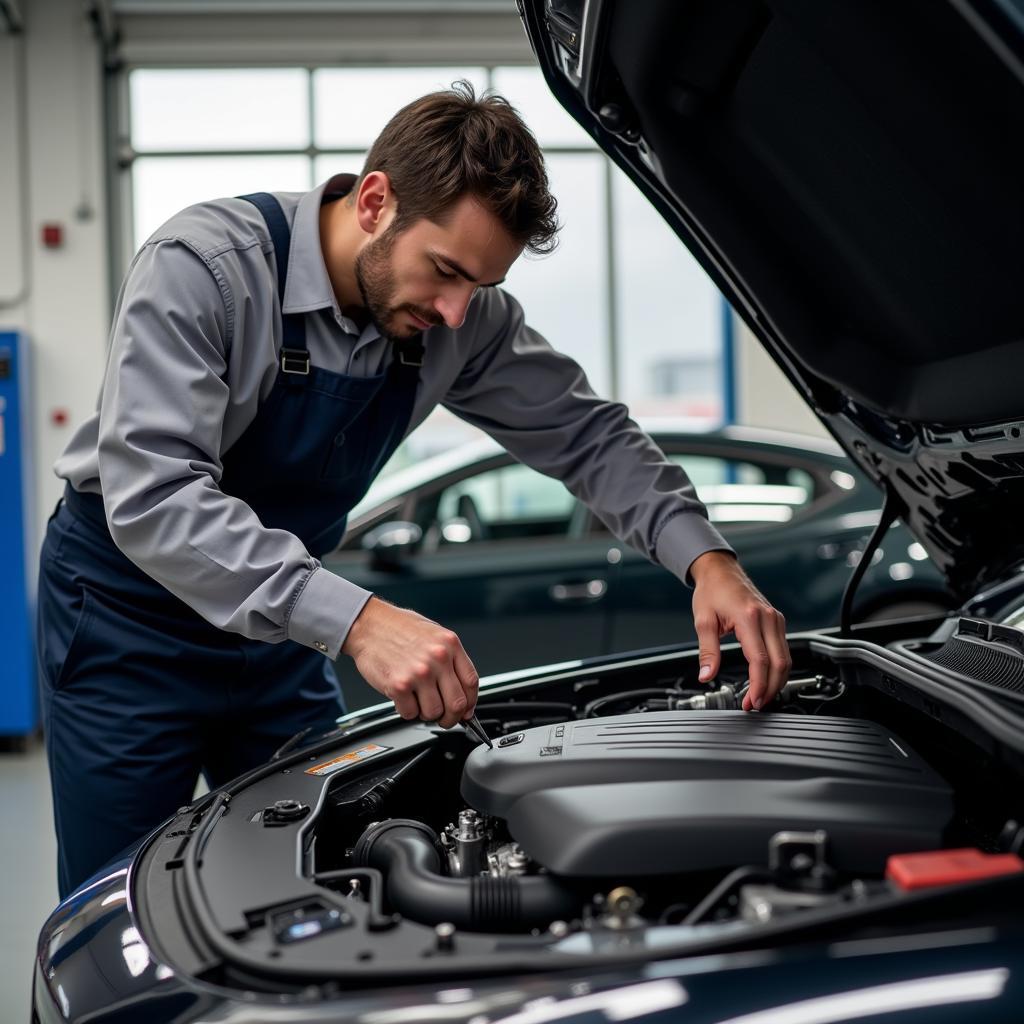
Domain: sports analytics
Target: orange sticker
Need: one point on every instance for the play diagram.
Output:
(347, 760)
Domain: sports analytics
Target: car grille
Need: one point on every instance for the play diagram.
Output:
(985, 662)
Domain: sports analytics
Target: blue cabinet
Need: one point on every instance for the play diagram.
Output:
(19, 712)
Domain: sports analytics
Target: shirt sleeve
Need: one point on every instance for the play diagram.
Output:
(538, 404)
(161, 418)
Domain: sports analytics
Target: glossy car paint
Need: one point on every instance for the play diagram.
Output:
(93, 964)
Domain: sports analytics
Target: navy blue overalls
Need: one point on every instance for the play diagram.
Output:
(140, 693)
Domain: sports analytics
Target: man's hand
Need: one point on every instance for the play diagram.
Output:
(413, 661)
(725, 601)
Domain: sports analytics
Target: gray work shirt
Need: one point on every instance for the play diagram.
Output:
(195, 349)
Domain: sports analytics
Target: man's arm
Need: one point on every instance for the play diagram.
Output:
(161, 424)
(538, 404)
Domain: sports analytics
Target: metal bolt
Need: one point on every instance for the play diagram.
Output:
(622, 901)
(517, 860)
(469, 825)
(801, 862)
(445, 933)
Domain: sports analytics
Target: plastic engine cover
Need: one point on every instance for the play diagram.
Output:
(683, 791)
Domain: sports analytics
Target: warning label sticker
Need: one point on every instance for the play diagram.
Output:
(348, 759)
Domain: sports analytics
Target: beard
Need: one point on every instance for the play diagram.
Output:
(376, 279)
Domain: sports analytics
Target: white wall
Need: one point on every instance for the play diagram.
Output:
(57, 177)
(764, 397)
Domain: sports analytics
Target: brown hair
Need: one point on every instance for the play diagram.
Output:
(447, 144)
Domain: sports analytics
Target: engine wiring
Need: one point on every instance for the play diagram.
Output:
(633, 698)
(813, 690)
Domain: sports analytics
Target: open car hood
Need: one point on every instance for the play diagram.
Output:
(851, 176)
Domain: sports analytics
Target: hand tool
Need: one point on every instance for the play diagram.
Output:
(474, 728)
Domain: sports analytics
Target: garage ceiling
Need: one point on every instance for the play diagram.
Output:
(246, 32)
(293, 7)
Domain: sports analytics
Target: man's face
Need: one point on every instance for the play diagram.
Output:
(425, 275)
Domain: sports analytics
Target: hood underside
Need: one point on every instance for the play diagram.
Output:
(850, 175)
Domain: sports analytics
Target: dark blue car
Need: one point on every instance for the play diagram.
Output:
(634, 848)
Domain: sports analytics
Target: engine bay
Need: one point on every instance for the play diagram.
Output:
(671, 791)
(618, 813)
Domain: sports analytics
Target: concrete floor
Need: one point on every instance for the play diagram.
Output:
(28, 867)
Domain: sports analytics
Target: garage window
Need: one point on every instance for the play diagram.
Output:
(620, 295)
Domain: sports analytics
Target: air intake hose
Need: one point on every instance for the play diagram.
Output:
(405, 852)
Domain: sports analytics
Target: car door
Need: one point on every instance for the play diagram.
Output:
(766, 508)
(506, 563)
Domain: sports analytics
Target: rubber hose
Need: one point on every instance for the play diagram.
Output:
(405, 852)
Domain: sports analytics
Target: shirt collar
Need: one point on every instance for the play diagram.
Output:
(309, 286)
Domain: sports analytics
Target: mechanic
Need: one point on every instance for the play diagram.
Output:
(268, 354)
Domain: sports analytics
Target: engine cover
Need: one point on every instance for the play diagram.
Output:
(671, 791)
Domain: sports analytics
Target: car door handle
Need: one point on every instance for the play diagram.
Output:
(580, 593)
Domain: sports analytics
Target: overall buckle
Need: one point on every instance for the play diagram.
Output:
(411, 354)
(295, 360)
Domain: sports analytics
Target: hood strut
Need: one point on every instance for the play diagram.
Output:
(892, 508)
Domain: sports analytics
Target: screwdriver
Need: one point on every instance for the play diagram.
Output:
(475, 729)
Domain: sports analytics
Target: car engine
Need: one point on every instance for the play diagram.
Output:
(672, 791)
(617, 813)
(652, 796)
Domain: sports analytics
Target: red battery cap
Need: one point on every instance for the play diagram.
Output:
(947, 867)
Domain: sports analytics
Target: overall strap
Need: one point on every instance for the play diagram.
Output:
(294, 354)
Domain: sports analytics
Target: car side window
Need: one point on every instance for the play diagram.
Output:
(742, 491)
(505, 503)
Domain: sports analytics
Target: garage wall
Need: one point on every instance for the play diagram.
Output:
(764, 397)
(300, 34)
(50, 109)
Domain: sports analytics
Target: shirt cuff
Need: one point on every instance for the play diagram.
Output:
(683, 539)
(324, 612)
